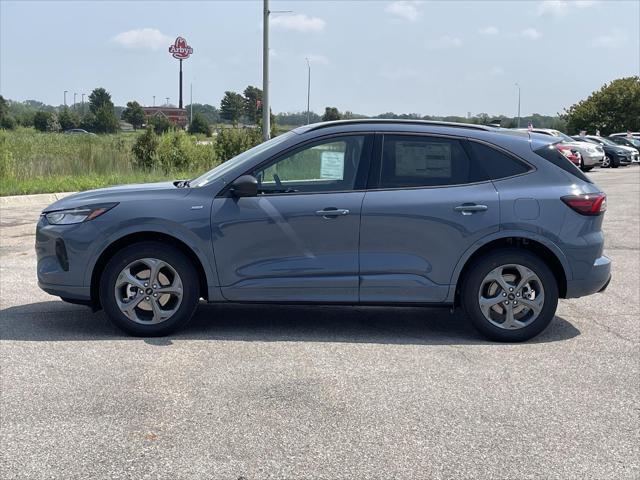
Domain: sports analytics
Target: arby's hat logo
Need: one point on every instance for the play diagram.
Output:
(180, 49)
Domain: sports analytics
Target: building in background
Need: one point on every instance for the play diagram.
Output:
(177, 116)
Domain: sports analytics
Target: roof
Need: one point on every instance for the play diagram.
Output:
(382, 121)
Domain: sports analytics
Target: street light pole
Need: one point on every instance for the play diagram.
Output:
(154, 100)
(308, 89)
(518, 85)
(83, 102)
(74, 101)
(167, 101)
(266, 118)
(65, 98)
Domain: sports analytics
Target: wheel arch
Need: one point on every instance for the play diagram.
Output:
(547, 251)
(146, 236)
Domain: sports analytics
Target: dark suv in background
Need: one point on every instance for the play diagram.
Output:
(495, 221)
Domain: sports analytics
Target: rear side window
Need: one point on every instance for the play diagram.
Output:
(417, 161)
(551, 154)
(497, 164)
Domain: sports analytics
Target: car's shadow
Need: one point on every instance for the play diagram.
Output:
(58, 321)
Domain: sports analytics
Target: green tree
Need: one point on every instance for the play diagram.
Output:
(160, 124)
(134, 114)
(53, 125)
(145, 149)
(68, 119)
(253, 97)
(41, 120)
(106, 121)
(232, 107)
(199, 124)
(209, 112)
(98, 98)
(7, 121)
(330, 113)
(613, 108)
(4, 107)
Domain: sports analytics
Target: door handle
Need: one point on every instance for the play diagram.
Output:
(470, 208)
(332, 212)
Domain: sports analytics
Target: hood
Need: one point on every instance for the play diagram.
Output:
(118, 193)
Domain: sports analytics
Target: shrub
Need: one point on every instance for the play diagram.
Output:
(145, 149)
(41, 120)
(53, 125)
(199, 124)
(233, 141)
(173, 151)
(160, 124)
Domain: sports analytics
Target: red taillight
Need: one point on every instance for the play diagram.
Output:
(589, 204)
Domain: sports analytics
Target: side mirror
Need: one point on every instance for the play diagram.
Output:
(245, 186)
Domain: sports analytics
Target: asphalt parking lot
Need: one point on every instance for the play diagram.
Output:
(322, 392)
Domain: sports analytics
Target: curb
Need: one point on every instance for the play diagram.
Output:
(38, 199)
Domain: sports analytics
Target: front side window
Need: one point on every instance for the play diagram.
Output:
(329, 165)
(421, 161)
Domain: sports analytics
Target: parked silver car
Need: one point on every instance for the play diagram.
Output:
(592, 154)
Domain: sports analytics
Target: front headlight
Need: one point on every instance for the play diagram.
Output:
(77, 215)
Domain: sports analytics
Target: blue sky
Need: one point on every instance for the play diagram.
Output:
(437, 58)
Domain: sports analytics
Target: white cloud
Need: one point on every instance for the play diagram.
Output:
(298, 22)
(489, 31)
(613, 39)
(446, 41)
(406, 10)
(143, 38)
(317, 59)
(559, 8)
(531, 33)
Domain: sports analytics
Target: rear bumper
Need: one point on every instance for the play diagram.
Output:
(596, 281)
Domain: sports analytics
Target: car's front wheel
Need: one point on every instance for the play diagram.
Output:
(149, 289)
(510, 295)
(606, 161)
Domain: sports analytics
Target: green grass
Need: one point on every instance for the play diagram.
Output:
(35, 162)
(75, 183)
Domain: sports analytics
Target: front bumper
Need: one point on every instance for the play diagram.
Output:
(596, 280)
(62, 253)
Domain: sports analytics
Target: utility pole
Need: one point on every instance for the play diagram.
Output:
(308, 89)
(154, 100)
(266, 118)
(65, 98)
(518, 85)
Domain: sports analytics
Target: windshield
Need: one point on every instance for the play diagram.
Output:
(606, 141)
(224, 167)
(563, 136)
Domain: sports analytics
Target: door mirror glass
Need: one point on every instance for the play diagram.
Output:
(245, 186)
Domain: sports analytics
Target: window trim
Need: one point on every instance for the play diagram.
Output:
(363, 171)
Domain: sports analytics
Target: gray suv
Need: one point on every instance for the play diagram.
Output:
(495, 221)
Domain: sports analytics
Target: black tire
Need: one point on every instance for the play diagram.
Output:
(615, 163)
(473, 281)
(161, 251)
(587, 169)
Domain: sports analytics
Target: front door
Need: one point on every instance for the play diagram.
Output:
(429, 202)
(298, 239)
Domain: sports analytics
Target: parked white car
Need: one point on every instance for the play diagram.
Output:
(626, 134)
(592, 154)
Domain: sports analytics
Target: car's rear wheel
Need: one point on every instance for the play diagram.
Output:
(510, 295)
(149, 289)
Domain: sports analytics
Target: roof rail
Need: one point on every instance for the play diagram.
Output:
(318, 126)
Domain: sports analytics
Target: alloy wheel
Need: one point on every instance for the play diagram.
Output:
(148, 291)
(606, 162)
(511, 296)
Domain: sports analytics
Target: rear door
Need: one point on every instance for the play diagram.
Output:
(426, 204)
